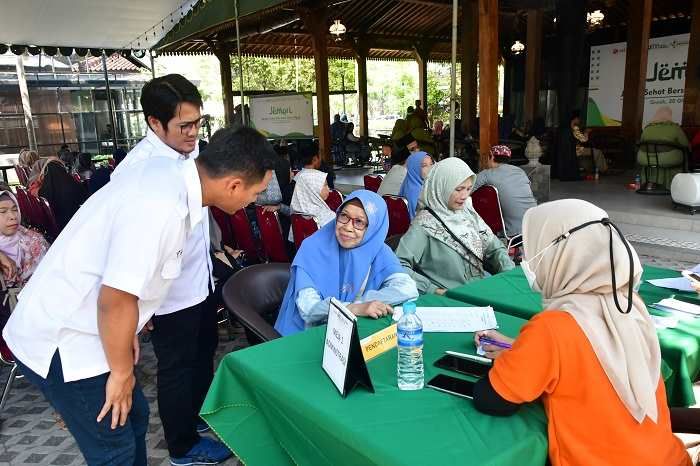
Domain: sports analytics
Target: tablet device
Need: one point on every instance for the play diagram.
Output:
(452, 385)
(463, 366)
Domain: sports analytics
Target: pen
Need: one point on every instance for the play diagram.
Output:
(500, 344)
(469, 356)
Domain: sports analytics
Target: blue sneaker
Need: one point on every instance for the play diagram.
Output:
(206, 451)
(202, 427)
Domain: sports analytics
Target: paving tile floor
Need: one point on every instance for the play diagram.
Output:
(29, 434)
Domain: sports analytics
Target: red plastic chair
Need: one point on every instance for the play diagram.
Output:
(271, 235)
(372, 182)
(334, 200)
(399, 218)
(243, 235)
(303, 226)
(32, 215)
(49, 219)
(488, 205)
(22, 175)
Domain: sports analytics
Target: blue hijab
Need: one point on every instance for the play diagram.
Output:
(413, 183)
(333, 271)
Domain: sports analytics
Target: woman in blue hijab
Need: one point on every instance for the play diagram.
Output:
(417, 167)
(347, 260)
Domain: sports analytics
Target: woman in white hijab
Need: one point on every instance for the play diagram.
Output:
(592, 356)
(310, 194)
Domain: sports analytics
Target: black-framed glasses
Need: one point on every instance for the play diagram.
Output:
(190, 125)
(357, 223)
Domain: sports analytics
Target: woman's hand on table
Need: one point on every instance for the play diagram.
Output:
(440, 291)
(492, 351)
(373, 309)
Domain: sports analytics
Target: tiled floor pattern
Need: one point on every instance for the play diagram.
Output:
(30, 435)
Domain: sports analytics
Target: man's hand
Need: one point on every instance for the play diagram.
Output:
(271, 208)
(117, 319)
(118, 398)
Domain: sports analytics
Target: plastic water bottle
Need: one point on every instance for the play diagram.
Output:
(410, 345)
(637, 181)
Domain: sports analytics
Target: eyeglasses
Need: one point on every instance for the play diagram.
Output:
(357, 223)
(189, 126)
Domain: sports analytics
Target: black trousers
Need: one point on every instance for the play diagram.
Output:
(184, 343)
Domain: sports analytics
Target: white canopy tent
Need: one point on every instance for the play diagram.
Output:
(106, 24)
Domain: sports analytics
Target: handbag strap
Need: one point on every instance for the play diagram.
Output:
(455, 237)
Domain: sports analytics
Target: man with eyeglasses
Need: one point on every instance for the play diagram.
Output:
(184, 329)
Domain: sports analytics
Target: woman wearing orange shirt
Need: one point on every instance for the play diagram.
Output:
(592, 356)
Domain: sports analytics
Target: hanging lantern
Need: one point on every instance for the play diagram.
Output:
(517, 48)
(595, 18)
(337, 29)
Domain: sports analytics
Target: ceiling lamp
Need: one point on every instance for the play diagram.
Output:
(337, 29)
(595, 18)
(517, 48)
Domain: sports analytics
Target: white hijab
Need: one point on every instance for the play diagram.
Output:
(575, 277)
(307, 196)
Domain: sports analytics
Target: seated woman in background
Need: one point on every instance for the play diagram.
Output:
(392, 182)
(51, 180)
(448, 244)
(309, 198)
(582, 152)
(662, 128)
(347, 260)
(27, 158)
(417, 167)
(23, 247)
(592, 356)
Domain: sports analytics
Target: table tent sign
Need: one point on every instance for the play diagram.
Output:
(343, 361)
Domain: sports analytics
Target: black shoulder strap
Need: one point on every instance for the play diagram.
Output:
(455, 237)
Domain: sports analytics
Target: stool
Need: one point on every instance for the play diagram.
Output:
(685, 191)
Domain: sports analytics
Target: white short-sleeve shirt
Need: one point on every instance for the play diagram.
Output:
(130, 235)
(192, 286)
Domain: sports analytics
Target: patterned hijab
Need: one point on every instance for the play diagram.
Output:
(442, 180)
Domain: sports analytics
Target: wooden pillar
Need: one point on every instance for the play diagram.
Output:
(222, 53)
(470, 45)
(533, 64)
(422, 53)
(488, 78)
(635, 71)
(361, 50)
(691, 101)
(315, 22)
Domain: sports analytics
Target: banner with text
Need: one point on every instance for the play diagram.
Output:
(665, 80)
(286, 116)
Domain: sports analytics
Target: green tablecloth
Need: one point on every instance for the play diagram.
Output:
(272, 404)
(510, 293)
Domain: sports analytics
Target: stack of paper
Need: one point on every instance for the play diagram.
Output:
(679, 283)
(454, 319)
(675, 305)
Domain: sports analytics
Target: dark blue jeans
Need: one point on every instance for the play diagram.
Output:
(80, 402)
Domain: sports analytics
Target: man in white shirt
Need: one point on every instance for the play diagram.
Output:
(74, 331)
(184, 328)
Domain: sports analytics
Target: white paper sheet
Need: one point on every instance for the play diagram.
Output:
(680, 306)
(665, 322)
(680, 283)
(454, 319)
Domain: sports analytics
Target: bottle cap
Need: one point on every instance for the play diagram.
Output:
(409, 307)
